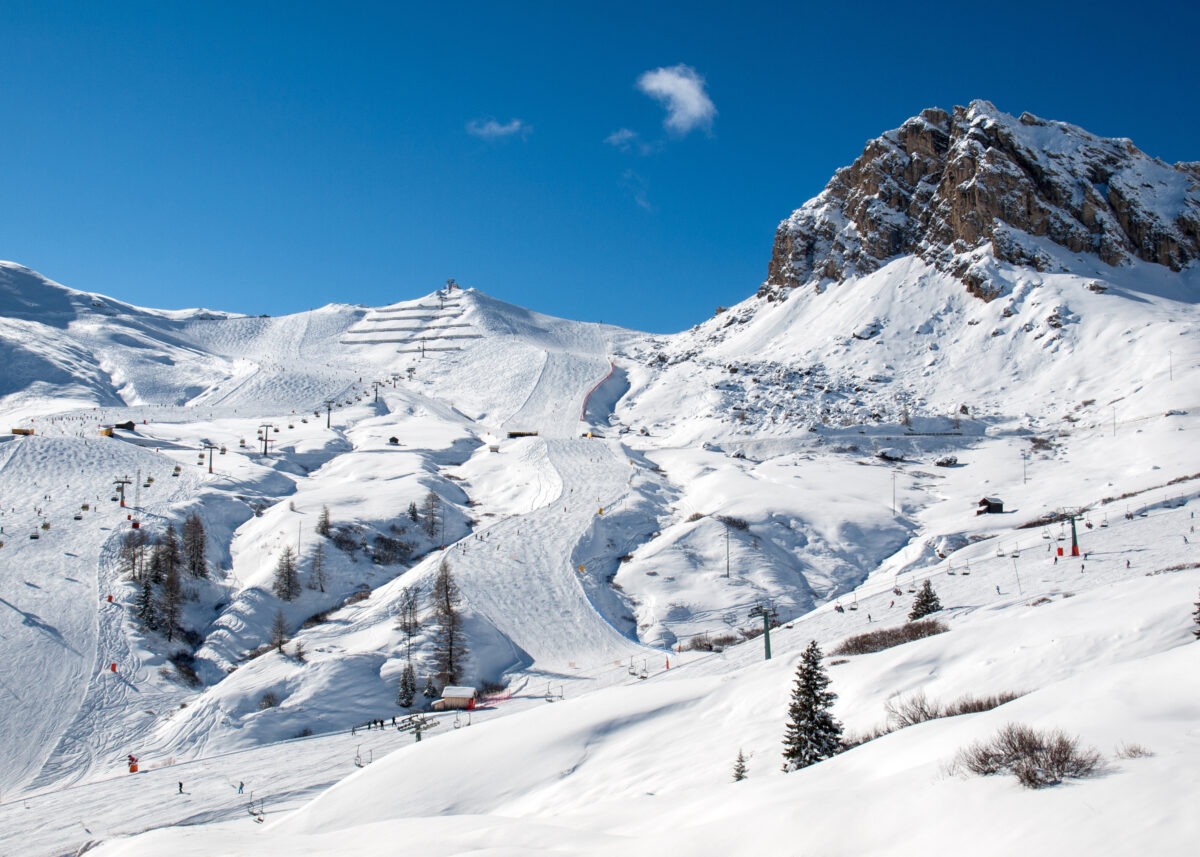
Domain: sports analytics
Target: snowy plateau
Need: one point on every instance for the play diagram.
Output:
(618, 510)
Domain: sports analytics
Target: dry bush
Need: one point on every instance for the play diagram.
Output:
(695, 516)
(1035, 758)
(885, 638)
(736, 523)
(911, 710)
(1133, 751)
(269, 699)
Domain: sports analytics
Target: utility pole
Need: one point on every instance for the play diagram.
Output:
(328, 411)
(210, 447)
(767, 614)
(1024, 471)
(727, 550)
(893, 493)
(266, 438)
(120, 484)
(1017, 576)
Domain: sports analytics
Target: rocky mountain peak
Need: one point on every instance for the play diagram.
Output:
(944, 186)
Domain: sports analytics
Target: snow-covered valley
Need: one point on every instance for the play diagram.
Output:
(617, 510)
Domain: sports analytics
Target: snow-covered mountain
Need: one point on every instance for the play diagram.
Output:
(979, 305)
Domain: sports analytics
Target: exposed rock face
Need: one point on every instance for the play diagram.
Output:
(945, 184)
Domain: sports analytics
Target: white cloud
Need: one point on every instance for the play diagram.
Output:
(490, 129)
(680, 89)
(621, 138)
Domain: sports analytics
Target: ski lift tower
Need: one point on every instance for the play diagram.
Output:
(266, 437)
(210, 446)
(767, 613)
(328, 411)
(416, 724)
(120, 484)
(1073, 513)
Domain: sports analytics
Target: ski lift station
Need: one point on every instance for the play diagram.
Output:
(456, 698)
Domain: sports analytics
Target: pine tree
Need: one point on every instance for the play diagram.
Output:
(450, 647)
(408, 686)
(412, 512)
(144, 607)
(431, 507)
(323, 527)
(170, 605)
(279, 631)
(318, 577)
(812, 734)
(925, 603)
(286, 583)
(739, 767)
(430, 690)
(194, 546)
(408, 619)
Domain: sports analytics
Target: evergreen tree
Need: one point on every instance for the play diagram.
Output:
(194, 546)
(286, 583)
(408, 686)
(739, 767)
(279, 631)
(408, 619)
(144, 607)
(431, 507)
(430, 690)
(812, 734)
(412, 512)
(323, 527)
(170, 605)
(450, 647)
(166, 558)
(318, 578)
(925, 603)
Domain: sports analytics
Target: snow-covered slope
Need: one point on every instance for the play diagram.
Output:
(614, 506)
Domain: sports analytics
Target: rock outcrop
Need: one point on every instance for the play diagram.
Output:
(944, 185)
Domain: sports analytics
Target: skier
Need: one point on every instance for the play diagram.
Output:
(181, 788)
(241, 785)
(997, 588)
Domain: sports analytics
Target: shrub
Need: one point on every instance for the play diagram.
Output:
(390, 551)
(269, 699)
(184, 664)
(885, 638)
(695, 516)
(730, 521)
(1036, 759)
(355, 597)
(1133, 751)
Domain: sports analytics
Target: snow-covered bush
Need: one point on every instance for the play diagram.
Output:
(885, 638)
(1035, 758)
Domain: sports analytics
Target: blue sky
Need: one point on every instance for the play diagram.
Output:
(270, 157)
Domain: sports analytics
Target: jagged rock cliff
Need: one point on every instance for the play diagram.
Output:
(945, 186)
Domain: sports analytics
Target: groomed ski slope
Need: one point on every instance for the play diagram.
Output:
(647, 767)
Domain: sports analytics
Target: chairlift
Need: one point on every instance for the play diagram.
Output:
(34, 535)
(951, 571)
(86, 506)
(78, 516)
(838, 608)
(854, 606)
(999, 550)
(1046, 535)
(1104, 523)
(114, 498)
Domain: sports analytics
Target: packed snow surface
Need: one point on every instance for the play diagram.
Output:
(613, 506)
